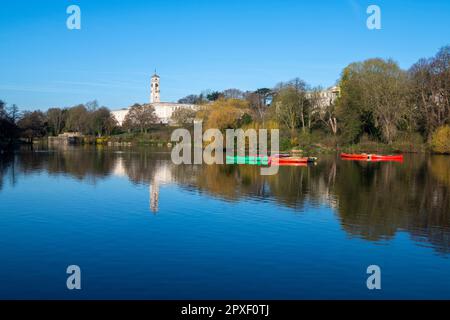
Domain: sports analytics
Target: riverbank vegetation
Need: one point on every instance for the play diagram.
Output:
(379, 106)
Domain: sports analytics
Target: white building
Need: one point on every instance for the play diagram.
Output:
(163, 110)
(326, 97)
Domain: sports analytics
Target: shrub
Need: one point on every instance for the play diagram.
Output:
(408, 142)
(285, 144)
(440, 141)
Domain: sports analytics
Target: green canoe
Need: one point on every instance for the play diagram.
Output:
(256, 160)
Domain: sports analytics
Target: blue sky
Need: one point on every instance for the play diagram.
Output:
(197, 45)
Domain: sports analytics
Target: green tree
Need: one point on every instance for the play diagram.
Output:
(213, 96)
(374, 96)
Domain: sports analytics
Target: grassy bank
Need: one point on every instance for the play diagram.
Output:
(310, 144)
(320, 143)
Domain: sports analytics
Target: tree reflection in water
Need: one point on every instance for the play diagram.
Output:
(372, 200)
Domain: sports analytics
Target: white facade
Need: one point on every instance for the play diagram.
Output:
(155, 89)
(120, 115)
(328, 96)
(163, 110)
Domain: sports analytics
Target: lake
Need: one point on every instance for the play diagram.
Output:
(140, 227)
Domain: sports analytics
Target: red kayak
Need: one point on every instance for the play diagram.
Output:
(292, 160)
(298, 164)
(371, 157)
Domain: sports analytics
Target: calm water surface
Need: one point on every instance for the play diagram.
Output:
(141, 227)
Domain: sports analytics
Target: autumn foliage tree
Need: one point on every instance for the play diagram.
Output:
(440, 141)
(224, 113)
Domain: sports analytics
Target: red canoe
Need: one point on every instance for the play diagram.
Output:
(372, 157)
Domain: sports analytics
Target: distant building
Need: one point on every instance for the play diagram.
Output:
(66, 138)
(328, 96)
(163, 110)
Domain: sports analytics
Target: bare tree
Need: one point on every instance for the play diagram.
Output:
(287, 109)
(233, 94)
(55, 118)
(183, 116)
(191, 99)
(259, 102)
(322, 110)
(102, 121)
(77, 119)
(32, 124)
(430, 80)
(301, 102)
(140, 117)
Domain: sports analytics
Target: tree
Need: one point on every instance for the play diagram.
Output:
(321, 110)
(183, 116)
(140, 117)
(430, 94)
(77, 119)
(13, 113)
(303, 102)
(191, 99)
(440, 141)
(91, 106)
(213, 96)
(32, 124)
(2, 109)
(286, 108)
(55, 118)
(373, 96)
(233, 94)
(259, 102)
(102, 121)
(224, 113)
(8, 127)
(291, 105)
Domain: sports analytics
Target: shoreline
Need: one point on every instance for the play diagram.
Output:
(304, 149)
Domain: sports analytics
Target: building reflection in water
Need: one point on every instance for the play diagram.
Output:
(373, 201)
(157, 175)
(162, 174)
(154, 196)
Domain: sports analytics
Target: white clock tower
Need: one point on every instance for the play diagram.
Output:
(154, 95)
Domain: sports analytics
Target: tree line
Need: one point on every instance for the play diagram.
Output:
(377, 99)
(86, 118)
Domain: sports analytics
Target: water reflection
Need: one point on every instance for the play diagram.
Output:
(373, 201)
